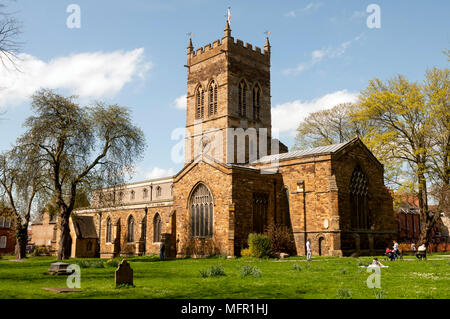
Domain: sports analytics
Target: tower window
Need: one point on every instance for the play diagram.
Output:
(212, 98)
(200, 103)
(256, 103)
(242, 99)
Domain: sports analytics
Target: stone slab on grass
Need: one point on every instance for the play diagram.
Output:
(62, 289)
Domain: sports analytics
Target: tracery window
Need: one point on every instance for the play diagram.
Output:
(108, 230)
(157, 228)
(359, 199)
(131, 229)
(202, 212)
(260, 207)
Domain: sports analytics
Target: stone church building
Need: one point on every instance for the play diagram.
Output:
(237, 179)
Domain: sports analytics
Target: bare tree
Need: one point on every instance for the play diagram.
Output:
(9, 31)
(83, 149)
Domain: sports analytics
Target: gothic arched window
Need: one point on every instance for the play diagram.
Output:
(158, 191)
(157, 228)
(131, 229)
(260, 208)
(242, 99)
(145, 193)
(108, 230)
(132, 195)
(359, 199)
(202, 212)
(256, 102)
(200, 100)
(212, 109)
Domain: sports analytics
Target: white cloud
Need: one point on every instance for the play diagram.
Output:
(88, 75)
(287, 116)
(180, 102)
(312, 5)
(309, 7)
(158, 172)
(318, 55)
(290, 14)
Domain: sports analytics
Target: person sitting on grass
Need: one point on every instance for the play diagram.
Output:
(390, 254)
(376, 262)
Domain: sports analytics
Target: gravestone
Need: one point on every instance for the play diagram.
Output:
(124, 274)
(59, 268)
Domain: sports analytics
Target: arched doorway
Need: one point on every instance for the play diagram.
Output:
(321, 239)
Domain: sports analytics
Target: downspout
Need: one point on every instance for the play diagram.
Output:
(274, 202)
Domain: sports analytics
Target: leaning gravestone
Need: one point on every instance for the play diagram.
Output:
(59, 268)
(124, 274)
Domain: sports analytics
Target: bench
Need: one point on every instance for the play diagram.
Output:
(419, 254)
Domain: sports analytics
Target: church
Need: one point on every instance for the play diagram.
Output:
(237, 179)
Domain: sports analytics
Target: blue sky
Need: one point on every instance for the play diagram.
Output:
(133, 53)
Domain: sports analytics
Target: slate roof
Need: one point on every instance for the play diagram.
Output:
(321, 150)
(84, 227)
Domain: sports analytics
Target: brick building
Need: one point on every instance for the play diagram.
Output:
(230, 186)
(7, 233)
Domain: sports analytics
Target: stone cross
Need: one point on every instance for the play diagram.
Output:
(124, 274)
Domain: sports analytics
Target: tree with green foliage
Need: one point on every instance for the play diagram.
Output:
(22, 185)
(401, 116)
(82, 147)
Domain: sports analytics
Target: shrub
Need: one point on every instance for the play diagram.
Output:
(259, 245)
(344, 293)
(246, 252)
(297, 267)
(213, 271)
(252, 271)
(112, 263)
(41, 251)
(281, 239)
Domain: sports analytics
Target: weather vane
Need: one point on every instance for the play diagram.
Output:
(190, 34)
(228, 15)
(267, 33)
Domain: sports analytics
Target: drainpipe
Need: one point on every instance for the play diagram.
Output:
(99, 231)
(274, 202)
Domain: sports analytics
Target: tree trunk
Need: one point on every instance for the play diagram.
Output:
(21, 241)
(64, 246)
(426, 221)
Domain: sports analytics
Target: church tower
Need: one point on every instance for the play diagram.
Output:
(228, 92)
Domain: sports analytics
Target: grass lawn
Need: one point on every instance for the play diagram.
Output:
(323, 277)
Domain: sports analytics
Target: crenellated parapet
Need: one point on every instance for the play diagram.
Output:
(230, 45)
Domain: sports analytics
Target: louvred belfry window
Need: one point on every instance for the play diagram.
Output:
(242, 99)
(200, 100)
(212, 98)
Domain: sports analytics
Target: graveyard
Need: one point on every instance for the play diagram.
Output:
(222, 278)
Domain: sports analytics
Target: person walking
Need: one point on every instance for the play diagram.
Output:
(308, 250)
(396, 251)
